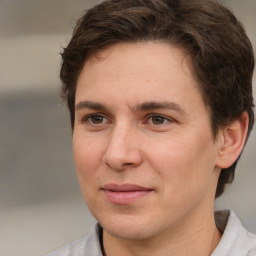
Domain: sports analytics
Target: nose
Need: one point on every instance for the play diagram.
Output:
(123, 149)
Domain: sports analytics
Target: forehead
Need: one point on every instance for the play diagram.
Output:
(143, 56)
(143, 71)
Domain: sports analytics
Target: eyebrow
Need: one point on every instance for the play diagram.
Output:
(146, 106)
(149, 106)
(90, 105)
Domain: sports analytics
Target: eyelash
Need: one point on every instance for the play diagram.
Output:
(164, 118)
(88, 119)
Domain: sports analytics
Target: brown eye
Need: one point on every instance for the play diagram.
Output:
(158, 120)
(96, 119)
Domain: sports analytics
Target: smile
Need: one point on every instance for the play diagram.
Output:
(124, 194)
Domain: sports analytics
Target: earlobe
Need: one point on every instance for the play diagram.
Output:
(231, 141)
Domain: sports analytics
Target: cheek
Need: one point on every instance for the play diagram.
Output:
(87, 158)
(182, 162)
(87, 155)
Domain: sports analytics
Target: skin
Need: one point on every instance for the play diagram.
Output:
(141, 119)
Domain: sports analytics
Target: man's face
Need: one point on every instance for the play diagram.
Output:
(143, 146)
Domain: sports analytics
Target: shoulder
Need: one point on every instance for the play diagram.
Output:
(236, 240)
(86, 246)
(74, 248)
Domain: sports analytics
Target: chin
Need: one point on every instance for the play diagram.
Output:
(128, 233)
(128, 227)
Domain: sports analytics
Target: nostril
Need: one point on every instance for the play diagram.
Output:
(113, 166)
(127, 164)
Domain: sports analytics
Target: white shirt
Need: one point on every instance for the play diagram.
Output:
(235, 241)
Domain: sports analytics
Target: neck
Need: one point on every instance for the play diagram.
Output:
(200, 239)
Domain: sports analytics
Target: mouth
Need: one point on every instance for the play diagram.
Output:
(125, 194)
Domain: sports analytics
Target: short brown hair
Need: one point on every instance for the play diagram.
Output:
(221, 53)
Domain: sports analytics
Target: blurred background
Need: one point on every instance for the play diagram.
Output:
(41, 207)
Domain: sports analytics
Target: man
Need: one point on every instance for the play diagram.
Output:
(160, 98)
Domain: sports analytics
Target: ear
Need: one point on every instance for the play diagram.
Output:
(231, 141)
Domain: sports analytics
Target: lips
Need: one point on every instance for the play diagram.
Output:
(125, 194)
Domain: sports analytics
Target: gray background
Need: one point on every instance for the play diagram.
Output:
(40, 204)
